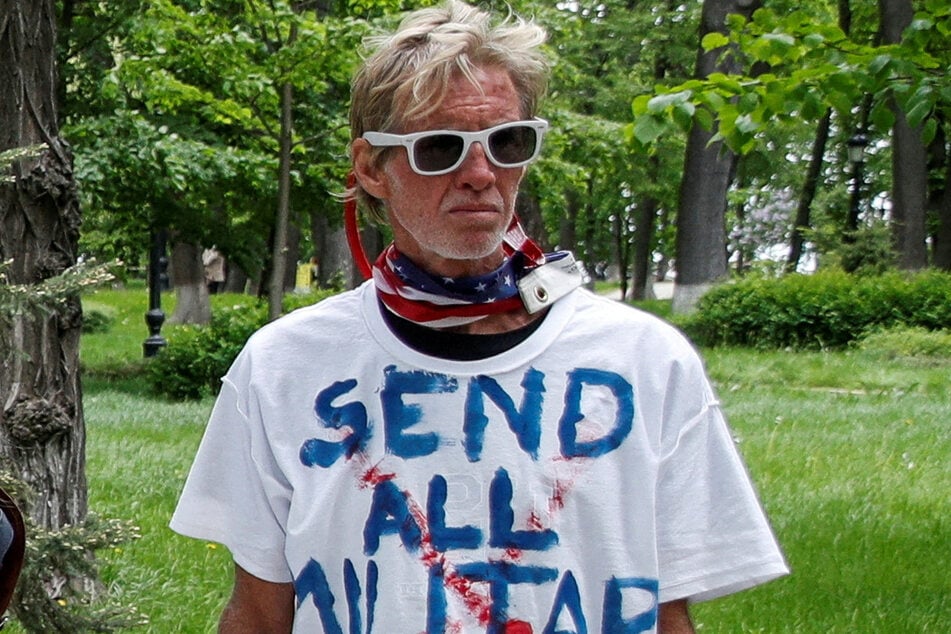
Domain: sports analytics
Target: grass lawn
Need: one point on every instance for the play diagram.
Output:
(851, 458)
(849, 450)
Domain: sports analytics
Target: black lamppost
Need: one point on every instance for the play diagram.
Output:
(155, 317)
(856, 147)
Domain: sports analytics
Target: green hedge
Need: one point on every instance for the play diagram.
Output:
(826, 310)
(196, 357)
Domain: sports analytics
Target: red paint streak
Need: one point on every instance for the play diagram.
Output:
(557, 500)
(535, 522)
(479, 605)
(374, 476)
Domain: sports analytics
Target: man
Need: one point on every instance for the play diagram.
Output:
(469, 442)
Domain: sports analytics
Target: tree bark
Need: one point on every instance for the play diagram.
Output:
(282, 218)
(646, 219)
(942, 246)
(708, 171)
(42, 429)
(192, 305)
(622, 250)
(909, 159)
(530, 215)
(568, 224)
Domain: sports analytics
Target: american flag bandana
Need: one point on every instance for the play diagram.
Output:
(442, 302)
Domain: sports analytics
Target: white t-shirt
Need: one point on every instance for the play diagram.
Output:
(569, 484)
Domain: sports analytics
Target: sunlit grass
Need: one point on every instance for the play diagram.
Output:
(139, 451)
(851, 457)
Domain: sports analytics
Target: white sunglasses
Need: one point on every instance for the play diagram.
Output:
(435, 152)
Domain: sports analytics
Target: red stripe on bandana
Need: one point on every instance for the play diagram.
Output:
(419, 297)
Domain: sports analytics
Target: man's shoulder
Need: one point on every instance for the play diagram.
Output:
(610, 320)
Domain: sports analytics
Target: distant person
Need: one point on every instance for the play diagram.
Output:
(214, 264)
(471, 441)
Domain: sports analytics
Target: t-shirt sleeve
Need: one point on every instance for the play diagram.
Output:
(235, 494)
(713, 536)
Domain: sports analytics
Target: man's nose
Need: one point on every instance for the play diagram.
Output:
(476, 169)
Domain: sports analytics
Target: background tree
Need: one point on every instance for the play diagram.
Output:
(811, 182)
(42, 428)
(206, 81)
(909, 156)
(178, 123)
(42, 432)
(807, 64)
(708, 171)
(599, 195)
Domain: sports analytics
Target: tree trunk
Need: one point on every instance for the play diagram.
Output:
(622, 250)
(236, 280)
(643, 253)
(42, 430)
(909, 159)
(701, 229)
(909, 194)
(708, 170)
(590, 227)
(187, 272)
(942, 238)
(530, 215)
(810, 185)
(335, 264)
(568, 224)
(282, 218)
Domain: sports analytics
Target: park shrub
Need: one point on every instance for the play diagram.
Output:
(96, 320)
(196, 357)
(827, 310)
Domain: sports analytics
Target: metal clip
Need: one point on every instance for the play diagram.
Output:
(546, 284)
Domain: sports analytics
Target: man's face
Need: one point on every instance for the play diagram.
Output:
(452, 224)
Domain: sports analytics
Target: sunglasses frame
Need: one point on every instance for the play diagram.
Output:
(386, 139)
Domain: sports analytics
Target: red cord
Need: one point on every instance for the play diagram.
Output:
(353, 232)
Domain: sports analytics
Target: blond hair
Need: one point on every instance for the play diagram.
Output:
(407, 74)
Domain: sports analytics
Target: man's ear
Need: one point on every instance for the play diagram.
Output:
(369, 174)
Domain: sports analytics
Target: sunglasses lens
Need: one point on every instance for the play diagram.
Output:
(512, 145)
(437, 152)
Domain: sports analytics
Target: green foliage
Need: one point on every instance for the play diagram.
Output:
(594, 177)
(196, 357)
(56, 584)
(824, 311)
(97, 318)
(176, 117)
(867, 251)
(812, 65)
(52, 293)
